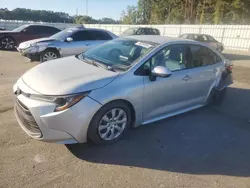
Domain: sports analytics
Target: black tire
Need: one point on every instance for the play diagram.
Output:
(93, 134)
(7, 43)
(49, 51)
(217, 97)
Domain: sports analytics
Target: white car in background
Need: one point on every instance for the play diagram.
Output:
(68, 42)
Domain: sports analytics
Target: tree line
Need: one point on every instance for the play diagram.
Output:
(151, 12)
(35, 15)
(90, 20)
(188, 12)
(50, 16)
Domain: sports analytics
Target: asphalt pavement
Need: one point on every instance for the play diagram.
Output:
(207, 147)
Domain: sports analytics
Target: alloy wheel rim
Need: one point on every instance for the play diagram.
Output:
(7, 43)
(49, 56)
(112, 124)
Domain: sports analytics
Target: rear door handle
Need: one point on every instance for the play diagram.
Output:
(87, 44)
(186, 78)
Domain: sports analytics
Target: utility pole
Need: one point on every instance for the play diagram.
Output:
(76, 11)
(86, 7)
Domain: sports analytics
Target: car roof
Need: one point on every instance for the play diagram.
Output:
(155, 38)
(89, 29)
(38, 25)
(195, 34)
(142, 28)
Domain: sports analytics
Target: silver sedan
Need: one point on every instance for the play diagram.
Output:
(68, 42)
(124, 83)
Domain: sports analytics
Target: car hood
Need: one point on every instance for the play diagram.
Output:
(67, 76)
(26, 44)
(7, 32)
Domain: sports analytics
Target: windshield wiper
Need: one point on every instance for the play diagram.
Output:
(97, 64)
(90, 61)
(119, 67)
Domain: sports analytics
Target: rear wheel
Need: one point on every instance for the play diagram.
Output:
(7, 43)
(49, 54)
(216, 97)
(110, 123)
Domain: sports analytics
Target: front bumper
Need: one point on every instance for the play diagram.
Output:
(31, 55)
(39, 121)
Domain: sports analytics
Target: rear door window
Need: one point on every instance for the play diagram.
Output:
(100, 35)
(210, 38)
(201, 56)
(44, 30)
(202, 38)
(82, 36)
(40, 30)
(148, 31)
(51, 30)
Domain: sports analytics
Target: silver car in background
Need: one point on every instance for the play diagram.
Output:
(207, 39)
(68, 42)
(123, 83)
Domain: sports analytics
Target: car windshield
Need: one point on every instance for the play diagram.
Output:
(62, 35)
(119, 52)
(129, 31)
(19, 29)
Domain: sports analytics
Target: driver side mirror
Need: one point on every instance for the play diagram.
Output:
(160, 71)
(69, 39)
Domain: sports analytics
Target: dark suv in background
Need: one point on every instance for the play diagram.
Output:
(10, 39)
(141, 31)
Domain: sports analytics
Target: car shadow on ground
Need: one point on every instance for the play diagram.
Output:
(208, 140)
(12, 50)
(235, 57)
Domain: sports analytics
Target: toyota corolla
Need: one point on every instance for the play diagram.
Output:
(99, 94)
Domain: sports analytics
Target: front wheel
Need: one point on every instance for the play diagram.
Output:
(48, 55)
(7, 43)
(110, 123)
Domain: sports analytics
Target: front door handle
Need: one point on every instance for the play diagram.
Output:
(87, 44)
(186, 78)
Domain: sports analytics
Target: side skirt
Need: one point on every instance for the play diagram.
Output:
(172, 114)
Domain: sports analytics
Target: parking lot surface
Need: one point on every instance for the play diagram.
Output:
(207, 147)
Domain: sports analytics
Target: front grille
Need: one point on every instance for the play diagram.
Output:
(27, 120)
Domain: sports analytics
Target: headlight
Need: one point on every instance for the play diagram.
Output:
(61, 102)
(34, 48)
